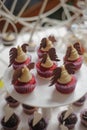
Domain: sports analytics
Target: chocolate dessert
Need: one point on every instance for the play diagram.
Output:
(70, 121)
(11, 123)
(41, 125)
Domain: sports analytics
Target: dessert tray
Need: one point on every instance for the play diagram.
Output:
(43, 95)
(53, 123)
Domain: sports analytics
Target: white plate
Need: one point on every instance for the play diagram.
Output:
(45, 96)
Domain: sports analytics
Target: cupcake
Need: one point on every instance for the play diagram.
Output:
(47, 64)
(64, 80)
(80, 102)
(83, 117)
(28, 109)
(8, 39)
(11, 124)
(11, 101)
(74, 55)
(37, 122)
(18, 57)
(45, 45)
(67, 119)
(10, 121)
(23, 80)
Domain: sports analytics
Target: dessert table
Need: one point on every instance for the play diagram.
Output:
(50, 101)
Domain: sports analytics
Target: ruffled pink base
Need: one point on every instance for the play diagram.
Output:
(20, 65)
(67, 88)
(25, 88)
(77, 63)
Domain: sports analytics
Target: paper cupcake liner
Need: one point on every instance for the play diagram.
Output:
(66, 88)
(18, 66)
(25, 89)
(29, 111)
(77, 63)
(40, 53)
(13, 105)
(44, 74)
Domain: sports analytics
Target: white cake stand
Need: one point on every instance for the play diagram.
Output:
(47, 97)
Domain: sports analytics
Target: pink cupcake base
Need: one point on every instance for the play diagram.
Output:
(66, 88)
(44, 74)
(25, 88)
(13, 105)
(18, 66)
(40, 53)
(77, 63)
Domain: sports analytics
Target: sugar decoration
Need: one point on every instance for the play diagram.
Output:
(37, 118)
(8, 112)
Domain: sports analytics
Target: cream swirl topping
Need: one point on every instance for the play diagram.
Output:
(48, 45)
(65, 76)
(74, 54)
(21, 56)
(48, 63)
(26, 75)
